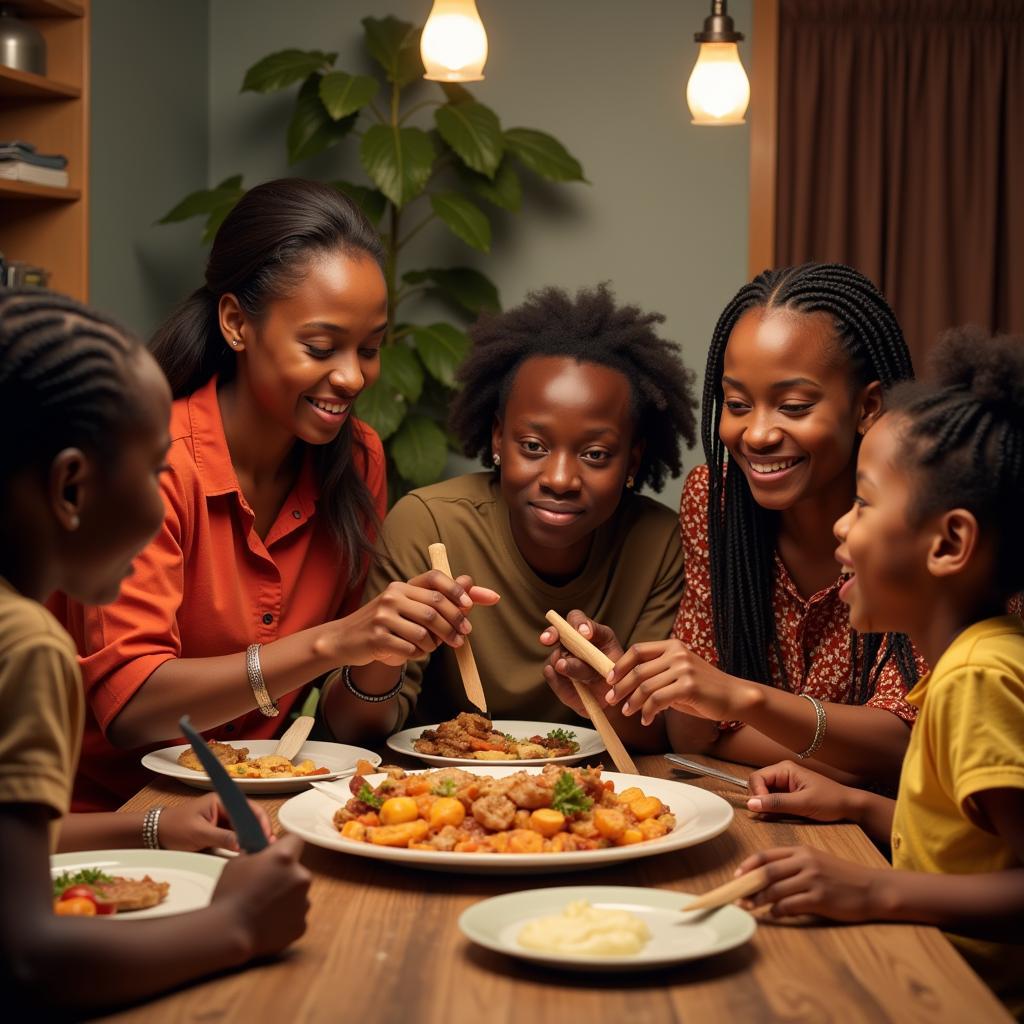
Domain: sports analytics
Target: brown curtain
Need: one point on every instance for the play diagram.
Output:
(901, 152)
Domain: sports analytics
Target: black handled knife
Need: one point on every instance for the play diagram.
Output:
(246, 825)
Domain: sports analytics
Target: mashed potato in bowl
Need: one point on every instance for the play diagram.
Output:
(586, 930)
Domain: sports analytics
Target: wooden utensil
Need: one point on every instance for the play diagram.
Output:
(722, 895)
(601, 663)
(463, 654)
(293, 737)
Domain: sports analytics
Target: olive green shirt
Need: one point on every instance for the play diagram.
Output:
(632, 581)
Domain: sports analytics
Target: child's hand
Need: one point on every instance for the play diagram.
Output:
(788, 788)
(563, 666)
(267, 894)
(408, 620)
(202, 823)
(667, 674)
(806, 881)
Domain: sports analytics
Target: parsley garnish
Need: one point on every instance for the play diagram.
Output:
(445, 788)
(569, 797)
(564, 737)
(368, 796)
(87, 876)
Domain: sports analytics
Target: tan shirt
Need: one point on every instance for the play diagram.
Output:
(632, 581)
(41, 707)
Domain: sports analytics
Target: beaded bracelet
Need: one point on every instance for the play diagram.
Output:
(819, 727)
(151, 828)
(371, 698)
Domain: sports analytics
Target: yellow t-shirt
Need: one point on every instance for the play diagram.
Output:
(41, 707)
(632, 581)
(969, 737)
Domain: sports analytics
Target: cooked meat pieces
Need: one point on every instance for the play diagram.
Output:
(224, 752)
(133, 893)
(494, 811)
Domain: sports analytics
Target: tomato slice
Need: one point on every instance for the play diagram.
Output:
(77, 906)
(79, 892)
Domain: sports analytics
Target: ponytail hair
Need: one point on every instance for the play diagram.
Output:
(261, 252)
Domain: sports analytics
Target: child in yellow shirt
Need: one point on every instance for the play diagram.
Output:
(934, 548)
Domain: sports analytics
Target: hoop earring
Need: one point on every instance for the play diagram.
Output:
(496, 459)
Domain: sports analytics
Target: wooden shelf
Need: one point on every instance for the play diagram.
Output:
(30, 190)
(27, 85)
(51, 9)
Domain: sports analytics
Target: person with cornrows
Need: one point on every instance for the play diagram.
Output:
(763, 663)
(273, 490)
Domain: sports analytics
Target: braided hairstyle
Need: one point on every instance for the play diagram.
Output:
(964, 440)
(261, 251)
(588, 328)
(741, 534)
(65, 380)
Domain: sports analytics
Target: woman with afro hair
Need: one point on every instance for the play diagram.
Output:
(573, 404)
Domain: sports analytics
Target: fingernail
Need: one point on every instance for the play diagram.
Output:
(560, 665)
(465, 627)
(466, 601)
(754, 804)
(611, 676)
(457, 642)
(610, 697)
(585, 629)
(626, 709)
(737, 873)
(546, 635)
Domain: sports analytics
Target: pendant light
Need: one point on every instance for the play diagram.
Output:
(718, 90)
(454, 44)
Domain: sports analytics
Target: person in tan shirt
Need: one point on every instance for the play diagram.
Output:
(574, 404)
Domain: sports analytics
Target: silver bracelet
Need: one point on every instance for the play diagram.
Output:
(151, 828)
(371, 698)
(256, 681)
(819, 727)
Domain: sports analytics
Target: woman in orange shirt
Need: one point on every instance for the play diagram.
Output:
(272, 492)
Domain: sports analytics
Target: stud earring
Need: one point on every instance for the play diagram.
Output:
(496, 459)
(629, 483)
(74, 522)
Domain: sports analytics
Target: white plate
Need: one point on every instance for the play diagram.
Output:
(192, 876)
(339, 758)
(589, 740)
(675, 936)
(700, 816)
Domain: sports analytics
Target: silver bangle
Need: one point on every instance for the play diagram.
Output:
(819, 727)
(371, 698)
(256, 681)
(151, 828)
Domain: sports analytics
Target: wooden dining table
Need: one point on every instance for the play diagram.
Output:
(383, 947)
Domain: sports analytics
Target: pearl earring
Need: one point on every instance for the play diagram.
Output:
(496, 459)
(74, 522)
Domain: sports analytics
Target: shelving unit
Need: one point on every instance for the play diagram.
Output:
(41, 224)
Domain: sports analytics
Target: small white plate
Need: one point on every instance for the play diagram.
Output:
(675, 936)
(192, 876)
(590, 742)
(339, 758)
(700, 816)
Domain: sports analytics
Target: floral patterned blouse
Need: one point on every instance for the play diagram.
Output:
(814, 634)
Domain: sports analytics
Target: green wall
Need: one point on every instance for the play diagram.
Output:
(664, 218)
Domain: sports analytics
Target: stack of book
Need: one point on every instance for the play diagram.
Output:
(19, 161)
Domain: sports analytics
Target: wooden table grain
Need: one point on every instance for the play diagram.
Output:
(383, 947)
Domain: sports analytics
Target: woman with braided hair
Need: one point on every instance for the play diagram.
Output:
(573, 404)
(761, 644)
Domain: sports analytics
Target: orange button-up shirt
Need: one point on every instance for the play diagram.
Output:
(207, 585)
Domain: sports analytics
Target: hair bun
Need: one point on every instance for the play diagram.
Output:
(991, 368)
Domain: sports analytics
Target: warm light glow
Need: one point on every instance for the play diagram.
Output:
(718, 91)
(454, 43)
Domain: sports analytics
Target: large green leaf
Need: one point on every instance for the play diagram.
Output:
(543, 154)
(382, 407)
(398, 160)
(474, 133)
(506, 190)
(401, 370)
(216, 218)
(284, 68)
(369, 200)
(343, 94)
(456, 93)
(395, 46)
(419, 450)
(312, 129)
(442, 348)
(466, 286)
(464, 218)
(206, 200)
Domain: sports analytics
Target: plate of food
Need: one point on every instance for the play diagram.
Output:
(255, 767)
(470, 738)
(131, 885)
(603, 927)
(506, 820)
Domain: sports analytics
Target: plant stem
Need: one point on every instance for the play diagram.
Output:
(416, 230)
(419, 106)
(393, 243)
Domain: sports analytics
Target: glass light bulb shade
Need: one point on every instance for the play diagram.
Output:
(718, 90)
(454, 44)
